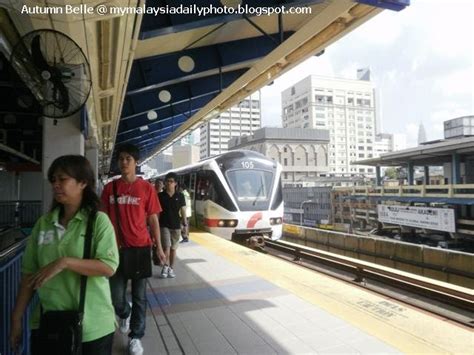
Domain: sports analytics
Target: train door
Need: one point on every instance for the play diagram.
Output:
(192, 195)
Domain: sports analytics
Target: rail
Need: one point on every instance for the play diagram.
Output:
(446, 191)
(10, 274)
(449, 294)
(19, 212)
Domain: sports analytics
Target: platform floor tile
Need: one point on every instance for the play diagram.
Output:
(214, 306)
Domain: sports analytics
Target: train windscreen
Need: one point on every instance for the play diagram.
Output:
(251, 188)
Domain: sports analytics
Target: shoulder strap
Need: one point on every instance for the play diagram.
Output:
(87, 255)
(117, 214)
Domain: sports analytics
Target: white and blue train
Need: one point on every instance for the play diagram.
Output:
(236, 195)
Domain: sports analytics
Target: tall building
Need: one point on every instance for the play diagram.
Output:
(421, 134)
(388, 142)
(346, 108)
(242, 119)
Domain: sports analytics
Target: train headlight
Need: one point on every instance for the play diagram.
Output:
(221, 223)
(276, 220)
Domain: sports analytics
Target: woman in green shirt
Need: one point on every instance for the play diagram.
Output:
(53, 263)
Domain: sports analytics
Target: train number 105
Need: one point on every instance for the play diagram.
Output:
(247, 164)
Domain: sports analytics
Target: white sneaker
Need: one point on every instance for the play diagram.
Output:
(135, 347)
(171, 273)
(124, 323)
(164, 272)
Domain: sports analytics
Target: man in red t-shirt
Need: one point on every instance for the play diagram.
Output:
(138, 209)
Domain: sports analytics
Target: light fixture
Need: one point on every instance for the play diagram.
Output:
(152, 115)
(164, 96)
(186, 64)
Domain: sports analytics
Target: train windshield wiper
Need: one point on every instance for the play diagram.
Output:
(258, 194)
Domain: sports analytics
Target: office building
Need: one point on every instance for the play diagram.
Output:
(242, 119)
(344, 107)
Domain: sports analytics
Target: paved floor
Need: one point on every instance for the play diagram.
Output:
(230, 300)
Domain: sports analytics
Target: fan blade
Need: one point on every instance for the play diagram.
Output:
(63, 93)
(38, 57)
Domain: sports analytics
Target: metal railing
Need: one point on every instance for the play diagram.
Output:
(449, 190)
(19, 213)
(10, 275)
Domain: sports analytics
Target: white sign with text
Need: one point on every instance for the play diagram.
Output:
(441, 219)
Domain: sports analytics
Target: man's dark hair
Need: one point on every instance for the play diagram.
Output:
(129, 148)
(173, 176)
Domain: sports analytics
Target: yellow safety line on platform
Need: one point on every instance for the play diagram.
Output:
(405, 328)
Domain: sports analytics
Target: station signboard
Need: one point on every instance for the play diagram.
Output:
(441, 219)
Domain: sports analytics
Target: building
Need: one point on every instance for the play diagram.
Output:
(242, 119)
(459, 127)
(185, 155)
(346, 108)
(303, 153)
(388, 142)
(309, 206)
(434, 206)
(421, 134)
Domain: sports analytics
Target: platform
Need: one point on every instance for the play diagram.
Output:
(227, 299)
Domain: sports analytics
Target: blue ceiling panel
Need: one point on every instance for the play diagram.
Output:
(149, 73)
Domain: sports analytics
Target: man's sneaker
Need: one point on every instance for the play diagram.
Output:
(171, 273)
(135, 347)
(124, 323)
(184, 240)
(164, 272)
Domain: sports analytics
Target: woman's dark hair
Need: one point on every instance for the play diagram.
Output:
(79, 168)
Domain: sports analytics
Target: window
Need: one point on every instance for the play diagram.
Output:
(251, 188)
(285, 162)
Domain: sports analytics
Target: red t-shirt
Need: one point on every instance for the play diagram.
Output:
(137, 201)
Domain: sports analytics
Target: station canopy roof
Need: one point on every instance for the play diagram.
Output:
(427, 154)
(158, 76)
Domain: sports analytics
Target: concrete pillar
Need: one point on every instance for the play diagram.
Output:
(427, 175)
(378, 177)
(456, 168)
(62, 138)
(92, 154)
(410, 173)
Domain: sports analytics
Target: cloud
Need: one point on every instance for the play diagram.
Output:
(421, 62)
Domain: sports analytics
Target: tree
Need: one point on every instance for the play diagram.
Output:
(391, 173)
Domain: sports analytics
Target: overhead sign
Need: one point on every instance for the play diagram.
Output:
(441, 219)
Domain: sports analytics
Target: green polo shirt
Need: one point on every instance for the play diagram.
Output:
(50, 241)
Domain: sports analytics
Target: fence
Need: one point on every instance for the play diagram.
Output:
(10, 275)
(19, 213)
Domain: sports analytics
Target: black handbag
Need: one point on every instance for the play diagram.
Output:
(60, 332)
(135, 262)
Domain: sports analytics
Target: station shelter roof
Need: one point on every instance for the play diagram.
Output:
(156, 76)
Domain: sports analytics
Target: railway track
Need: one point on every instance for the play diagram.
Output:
(452, 302)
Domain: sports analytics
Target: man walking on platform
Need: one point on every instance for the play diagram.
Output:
(132, 206)
(174, 206)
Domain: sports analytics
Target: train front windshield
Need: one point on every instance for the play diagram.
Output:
(252, 188)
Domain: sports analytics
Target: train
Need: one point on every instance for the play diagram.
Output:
(235, 195)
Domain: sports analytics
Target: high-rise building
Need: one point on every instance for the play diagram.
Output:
(388, 142)
(421, 134)
(346, 108)
(242, 119)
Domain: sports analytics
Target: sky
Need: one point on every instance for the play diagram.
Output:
(421, 62)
